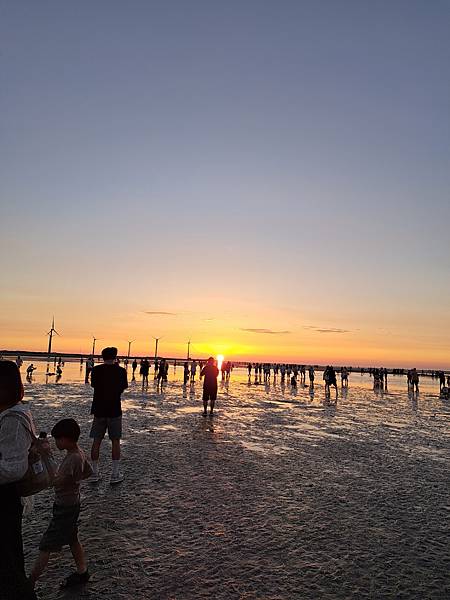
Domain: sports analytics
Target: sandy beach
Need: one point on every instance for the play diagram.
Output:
(280, 496)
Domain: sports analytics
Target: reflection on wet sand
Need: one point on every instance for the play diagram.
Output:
(278, 492)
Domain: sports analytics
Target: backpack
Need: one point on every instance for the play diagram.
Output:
(41, 464)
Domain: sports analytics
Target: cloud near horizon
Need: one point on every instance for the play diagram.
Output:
(269, 331)
(160, 312)
(326, 329)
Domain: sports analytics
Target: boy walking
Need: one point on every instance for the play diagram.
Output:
(109, 380)
(63, 529)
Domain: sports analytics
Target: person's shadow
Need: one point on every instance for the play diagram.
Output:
(205, 430)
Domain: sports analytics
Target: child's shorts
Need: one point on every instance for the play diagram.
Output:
(63, 528)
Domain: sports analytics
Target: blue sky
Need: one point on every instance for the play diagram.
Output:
(294, 155)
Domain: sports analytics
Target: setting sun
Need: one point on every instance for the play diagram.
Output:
(220, 358)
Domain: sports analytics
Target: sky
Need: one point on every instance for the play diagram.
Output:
(268, 179)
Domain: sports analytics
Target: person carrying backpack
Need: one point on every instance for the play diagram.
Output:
(16, 423)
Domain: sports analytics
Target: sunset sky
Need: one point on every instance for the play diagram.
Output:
(269, 179)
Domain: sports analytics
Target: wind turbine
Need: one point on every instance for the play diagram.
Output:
(94, 339)
(50, 336)
(188, 345)
(129, 347)
(156, 345)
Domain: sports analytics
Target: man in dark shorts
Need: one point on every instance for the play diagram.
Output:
(210, 372)
(109, 380)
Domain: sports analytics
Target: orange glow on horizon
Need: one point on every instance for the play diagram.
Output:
(284, 339)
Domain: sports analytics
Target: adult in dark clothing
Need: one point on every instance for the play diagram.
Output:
(109, 380)
(144, 371)
(441, 380)
(329, 376)
(15, 440)
(89, 367)
(186, 373)
(415, 380)
(210, 372)
(134, 367)
(163, 371)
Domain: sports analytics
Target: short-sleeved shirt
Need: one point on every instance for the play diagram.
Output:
(108, 381)
(72, 470)
(210, 373)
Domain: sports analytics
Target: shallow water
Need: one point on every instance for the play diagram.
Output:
(282, 494)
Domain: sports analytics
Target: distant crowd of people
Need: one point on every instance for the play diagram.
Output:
(263, 372)
(294, 373)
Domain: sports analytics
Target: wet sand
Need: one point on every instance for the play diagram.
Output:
(279, 496)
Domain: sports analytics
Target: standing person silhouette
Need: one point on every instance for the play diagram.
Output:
(441, 380)
(185, 373)
(193, 370)
(144, 371)
(16, 425)
(89, 367)
(415, 380)
(210, 372)
(109, 381)
(162, 371)
(344, 377)
(329, 376)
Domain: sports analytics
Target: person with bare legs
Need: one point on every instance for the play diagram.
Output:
(210, 372)
(311, 376)
(109, 381)
(63, 527)
(415, 380)
(329, 376)
(144, 371)
(193, 370)
(344, 377)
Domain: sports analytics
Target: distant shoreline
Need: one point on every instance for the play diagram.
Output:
(179, 361)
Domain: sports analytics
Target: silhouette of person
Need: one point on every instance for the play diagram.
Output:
(329, 376)
(193, 370)
(210, 372)
(89, 367)
(30, 370)
(415, 380)
(144, 371)
(162, 371)
(186, 373)
(344, 377)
